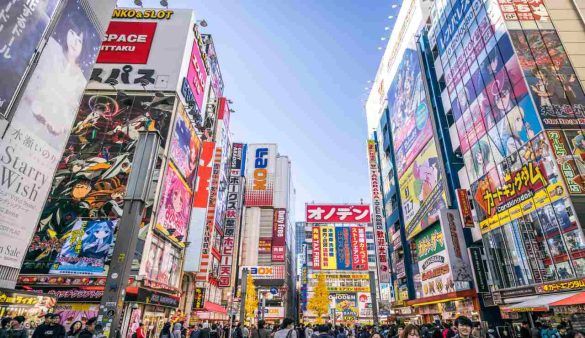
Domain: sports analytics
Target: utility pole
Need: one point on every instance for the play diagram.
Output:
(143, 165)
(243, 296)
(373, 287)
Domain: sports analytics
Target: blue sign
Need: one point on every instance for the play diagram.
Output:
(273, 290)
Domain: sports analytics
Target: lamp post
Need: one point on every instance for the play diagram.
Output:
(111, 307)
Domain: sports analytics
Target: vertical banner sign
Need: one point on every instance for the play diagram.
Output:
(316, 243)
(204, 175)
(199, 298)
(479, 270)
(343, 242)
(379, 226)
(328, 254)
(260, 174)
(197, 74)
(359, 252)
(464, 208)
(279, 235)
(210, 218)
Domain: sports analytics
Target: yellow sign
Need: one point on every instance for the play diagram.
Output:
(561, 286)
(19, 299)
(341, 276)
(146, 14)
(348, 288)
(328, 249)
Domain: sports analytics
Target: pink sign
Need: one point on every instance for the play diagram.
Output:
(197, 74)
(175, 205)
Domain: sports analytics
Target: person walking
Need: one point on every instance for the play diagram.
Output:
(261, 332)
(525, 331)
(17, 329)
(166, 331)
(177, 330)
(4, 327)
(213, 333)
(89, 329)
(75, 329)
(286, 329)
(463, 325)
(195, 331)
(140, 331)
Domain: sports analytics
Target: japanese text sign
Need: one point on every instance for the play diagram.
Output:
(338, 213)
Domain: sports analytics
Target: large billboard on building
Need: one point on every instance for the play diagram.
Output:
(421, 191)
(174, 208)
(23, 27)
(185, 146)
(260, 174)
(339, 247)
(144, 48)
(338, 213)
(92, 174)
(32, 146)
(410, 120)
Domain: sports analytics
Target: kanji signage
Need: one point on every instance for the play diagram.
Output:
(199, 298)
(316, 243)
(465, 208)
(379, 223)
(338, 213)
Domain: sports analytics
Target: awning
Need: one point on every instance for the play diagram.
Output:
(576, 299)
(537, 304)
(213, 307)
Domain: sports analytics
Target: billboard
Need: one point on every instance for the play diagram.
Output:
(23, 27)
(433, 262)
(339, 247)
(230, 229)
(421, 191)
(359, 249)
(265, 245)
(238, 159)
(410, 120)
(338, 213)
(137, 55)
(265, 272)
(343, 245)
(92, 174)
(202, 184)
(260, 174)
(197, 73)
(328, 251)
(379, 222)
(211, 58)
(316, 246)
(185, 146)
(86, 248)
(279, 235)
(174, 208)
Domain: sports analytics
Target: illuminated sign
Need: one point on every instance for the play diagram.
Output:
(265, 272)
(260, 169)
(145, 14)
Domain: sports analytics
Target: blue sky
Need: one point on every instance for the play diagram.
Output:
(296, 71)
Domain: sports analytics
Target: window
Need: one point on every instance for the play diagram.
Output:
(372, 259)
(370, 246)
(369, 235)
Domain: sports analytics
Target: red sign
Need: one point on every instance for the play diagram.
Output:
(338, 213)
(464, 208)
(359, 250)
(279, 235)
(316, 244)
(127, 42)
(204, 175)
(265, 245)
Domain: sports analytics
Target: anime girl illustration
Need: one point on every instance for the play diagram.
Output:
(98, 239)
(426, 176)
(173, 214)
(481, 157)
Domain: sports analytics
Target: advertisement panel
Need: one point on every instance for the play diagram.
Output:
(208, 244)
(344, 245)
(568, 147)
(197, 73)
(265, 245)
(421, 191)
(464, 207)
(265, 272)
(274, 312)
(338, 213)
(238, 159)
(215, 72)
(260, 174)
(433, 262)
(328, 251)
(33, 143)
(364, 304)
(409, 115)
(230, 229)
(92, 174)
(359, 250)
(127, 42)
(132, 60)
(316, 243)
(202, 184)
(174, 208)
(379, 222)
(279, 235)
(520, 10)
(185, 146)
(23, 27)
(199, 298)
(86, 248)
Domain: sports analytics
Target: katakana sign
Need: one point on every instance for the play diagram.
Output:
(338, 213)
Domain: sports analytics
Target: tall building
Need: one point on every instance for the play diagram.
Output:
(38, 103)
(339, 242)
(268, 235)
(475, 121)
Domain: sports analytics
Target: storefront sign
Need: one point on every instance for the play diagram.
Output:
(316, 243)
(71, 295)
(379, 223)
(513, 293)
(146, 14)
(59, 280)
(330, 276)
(338, 213)
(265, 272)
(127, 42)
(14, 298)
(479, 270)
(465, 208)
(265, 245)
(561, 286)
(155, 298)
(348, 288)
(199, 298)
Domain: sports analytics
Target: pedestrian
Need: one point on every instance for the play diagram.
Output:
(4, 327)
(46, 323)
(286, 329)
(341, 333)
(89, 329)
(238, 331)
(245, 331)
(205, 331)
(59, 329)
(261, 331)
(524, 330)
(410, 331)
(50, 328)
(140, 331)
(195, 331)
(177, 330)
(463, 325)
(399, 332)
(309, 331)
(213, 333)
(535, 330)
(75, 329)
(166, 331)
(17, 329)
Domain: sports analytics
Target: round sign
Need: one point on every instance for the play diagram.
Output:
(273, 290)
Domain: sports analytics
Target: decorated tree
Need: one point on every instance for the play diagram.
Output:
(251, 299)
(319, 302)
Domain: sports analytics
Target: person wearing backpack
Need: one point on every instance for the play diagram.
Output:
(342, 333)
(286, 329)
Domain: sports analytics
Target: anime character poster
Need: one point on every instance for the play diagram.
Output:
(86, 248)
(422, 192)
(23, 27)
(408, 111)
(174, 205)
(185, 146)
(91, 177)
(73, 312)
(554, 86)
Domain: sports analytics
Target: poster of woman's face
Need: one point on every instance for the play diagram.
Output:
(175, 204)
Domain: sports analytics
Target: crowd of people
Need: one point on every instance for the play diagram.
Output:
(49, 328)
